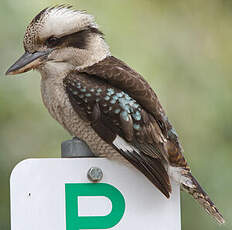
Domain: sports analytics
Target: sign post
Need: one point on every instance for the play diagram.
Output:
(57, 194)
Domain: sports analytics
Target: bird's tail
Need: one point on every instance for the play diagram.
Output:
(190, 184)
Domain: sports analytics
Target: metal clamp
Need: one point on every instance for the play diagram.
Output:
(75, 148)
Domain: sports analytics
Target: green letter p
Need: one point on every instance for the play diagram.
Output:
(75, 222)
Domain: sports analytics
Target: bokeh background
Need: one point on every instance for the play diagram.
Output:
(183, 48)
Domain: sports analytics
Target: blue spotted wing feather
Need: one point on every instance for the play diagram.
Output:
(117, 109)
(113, 113)
(121, 76)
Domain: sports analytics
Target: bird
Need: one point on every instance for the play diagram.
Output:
(101, 100)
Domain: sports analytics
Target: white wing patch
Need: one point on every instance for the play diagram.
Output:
(121, 144)
(61, 21)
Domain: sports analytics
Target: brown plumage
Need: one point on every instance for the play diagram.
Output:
(101, 100)
(156, 138)
(104, 106)
(157, 127)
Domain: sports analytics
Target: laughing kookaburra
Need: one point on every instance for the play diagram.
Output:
(104, 102)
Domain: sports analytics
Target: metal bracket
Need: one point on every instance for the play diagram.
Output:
(75, 148)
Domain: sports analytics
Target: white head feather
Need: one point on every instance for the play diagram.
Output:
(61, 21)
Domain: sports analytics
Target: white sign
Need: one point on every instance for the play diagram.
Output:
(49, 194)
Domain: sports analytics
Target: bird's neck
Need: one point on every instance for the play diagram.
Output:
(55, 70)
(97, 50)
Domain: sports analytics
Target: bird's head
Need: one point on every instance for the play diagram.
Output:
(61, 38)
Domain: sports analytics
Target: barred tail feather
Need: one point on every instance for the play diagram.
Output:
(190, 184)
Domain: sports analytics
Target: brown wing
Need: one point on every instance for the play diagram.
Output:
(121, 76)
(122, 122)
(118, 74)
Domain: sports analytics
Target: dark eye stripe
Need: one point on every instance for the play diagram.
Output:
(77, 40)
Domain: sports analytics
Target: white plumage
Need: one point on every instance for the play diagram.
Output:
(121, 144)
(67, 21)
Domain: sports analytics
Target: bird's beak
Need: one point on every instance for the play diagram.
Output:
(27, 62)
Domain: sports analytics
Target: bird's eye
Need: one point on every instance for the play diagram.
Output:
(52, 42)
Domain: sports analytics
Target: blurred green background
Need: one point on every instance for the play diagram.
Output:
(183, 48)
